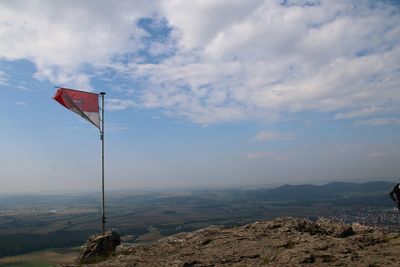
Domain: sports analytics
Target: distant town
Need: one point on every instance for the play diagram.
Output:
(385, 219)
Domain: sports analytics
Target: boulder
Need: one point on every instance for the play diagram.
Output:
(98, 247)
(324, 227)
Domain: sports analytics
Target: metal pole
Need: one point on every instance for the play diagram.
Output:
(103, 217)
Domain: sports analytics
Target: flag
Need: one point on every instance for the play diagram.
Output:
(84, 104)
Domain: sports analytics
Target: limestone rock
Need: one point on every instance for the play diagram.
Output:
(325, 227)
(98, 247)
(281, 242)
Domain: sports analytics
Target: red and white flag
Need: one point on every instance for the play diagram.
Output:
(84, 104)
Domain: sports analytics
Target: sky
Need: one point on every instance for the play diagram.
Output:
(200, 93)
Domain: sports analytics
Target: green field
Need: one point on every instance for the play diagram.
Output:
(45, 258)
(37, 223)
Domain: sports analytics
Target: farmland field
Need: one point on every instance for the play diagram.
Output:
(50, 223)
(41, 259)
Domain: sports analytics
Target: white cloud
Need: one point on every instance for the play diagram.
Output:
(269, 155)
(114, 127)
(61, 36)
(274, 60)
(271, 135)
(375, 154)
(226, 60)
(379, 121)
(345, 148)
(367, 111)
(362, 150)
(198, 22)
(118, 104)
(3, 78)
(21, 103)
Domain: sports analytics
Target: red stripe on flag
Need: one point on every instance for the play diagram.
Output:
(83, 103)
(87, 102)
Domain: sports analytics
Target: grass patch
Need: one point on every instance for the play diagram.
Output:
(43, 258)
(27, 264)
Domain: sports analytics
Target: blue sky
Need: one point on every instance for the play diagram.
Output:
(200, 93)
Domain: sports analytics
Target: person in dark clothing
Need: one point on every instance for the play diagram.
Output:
(395, 195)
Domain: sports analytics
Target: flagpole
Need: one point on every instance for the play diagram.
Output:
(103, 217)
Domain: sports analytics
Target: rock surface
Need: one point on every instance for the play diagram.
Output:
(281, 242)
(98, 247)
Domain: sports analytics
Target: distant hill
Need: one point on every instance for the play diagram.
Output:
(342, 187)
(331, 191)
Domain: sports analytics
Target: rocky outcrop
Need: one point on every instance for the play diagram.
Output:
(281, 242)
(98, 247)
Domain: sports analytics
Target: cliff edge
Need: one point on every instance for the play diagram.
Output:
(280, 242)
